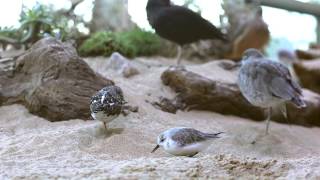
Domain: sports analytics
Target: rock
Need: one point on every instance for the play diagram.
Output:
(128, 108)
(52, 81)
(308, 54)
(197, 92)
(122, 65)
(7, 64)
(167, 105)
(309, 74)
(229, 65)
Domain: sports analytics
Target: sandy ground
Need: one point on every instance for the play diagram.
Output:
(33, 148)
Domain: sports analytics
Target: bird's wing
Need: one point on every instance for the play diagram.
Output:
(280, 81)
(186, 22)
(187, 136)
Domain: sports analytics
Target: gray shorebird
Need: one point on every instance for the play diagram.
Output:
(107, 104)
(266, 83)
(182, 141)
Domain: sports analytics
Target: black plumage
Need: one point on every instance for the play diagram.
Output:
(179, 24)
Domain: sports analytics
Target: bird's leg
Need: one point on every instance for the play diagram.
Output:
(178, 57)
(283, 110)
(268, 120)
(105, 125)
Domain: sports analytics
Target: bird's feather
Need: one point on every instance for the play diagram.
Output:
(187, 136)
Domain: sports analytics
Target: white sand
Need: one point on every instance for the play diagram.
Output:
(33, 148)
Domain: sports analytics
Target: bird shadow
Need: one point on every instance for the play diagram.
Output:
(113, 131)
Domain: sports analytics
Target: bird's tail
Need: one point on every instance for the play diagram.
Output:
(216, 33)
(224, 38)
(213, 135)
(298, 102)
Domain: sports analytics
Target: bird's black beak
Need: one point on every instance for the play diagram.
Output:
(155, 148)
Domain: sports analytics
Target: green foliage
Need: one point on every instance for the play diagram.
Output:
(130, 43)
(38, 12)
(49, 20)
(138, 42)
(100, 43)
(42, 20)
(8, 32)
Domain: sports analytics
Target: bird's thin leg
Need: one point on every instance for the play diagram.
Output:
(105, 125)
(179, 52)
(268, 120)
(283, 110)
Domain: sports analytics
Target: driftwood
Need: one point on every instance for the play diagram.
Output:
(309, 74)
(308, 54)
(198, 92)
(52, 81)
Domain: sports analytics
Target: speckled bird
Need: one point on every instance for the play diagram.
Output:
(107, 104)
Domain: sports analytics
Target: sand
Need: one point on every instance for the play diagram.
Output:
(34, 148)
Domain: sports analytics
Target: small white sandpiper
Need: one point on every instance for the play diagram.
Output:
(182, 141)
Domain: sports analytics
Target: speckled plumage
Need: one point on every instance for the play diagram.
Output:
(265, 83)
(182, 141)
(107, 104)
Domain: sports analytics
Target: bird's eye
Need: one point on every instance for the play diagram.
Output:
(161, 140)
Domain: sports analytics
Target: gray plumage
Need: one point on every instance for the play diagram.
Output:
(182, 141)
(265, 83)
(185, 136)
(107, 104)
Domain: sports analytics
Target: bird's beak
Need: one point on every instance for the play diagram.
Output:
(155, 148)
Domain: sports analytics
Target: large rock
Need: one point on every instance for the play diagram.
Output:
(122, 65)
(52, 81)
(309, 74)
(197, 92)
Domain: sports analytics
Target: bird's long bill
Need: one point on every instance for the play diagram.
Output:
(155, 148)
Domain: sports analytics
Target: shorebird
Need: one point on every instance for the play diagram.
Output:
(182, 141)
(266, 84)
(179, 24)
(107, 104)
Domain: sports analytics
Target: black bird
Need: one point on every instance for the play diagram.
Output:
(179, 24)
(107, 104)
